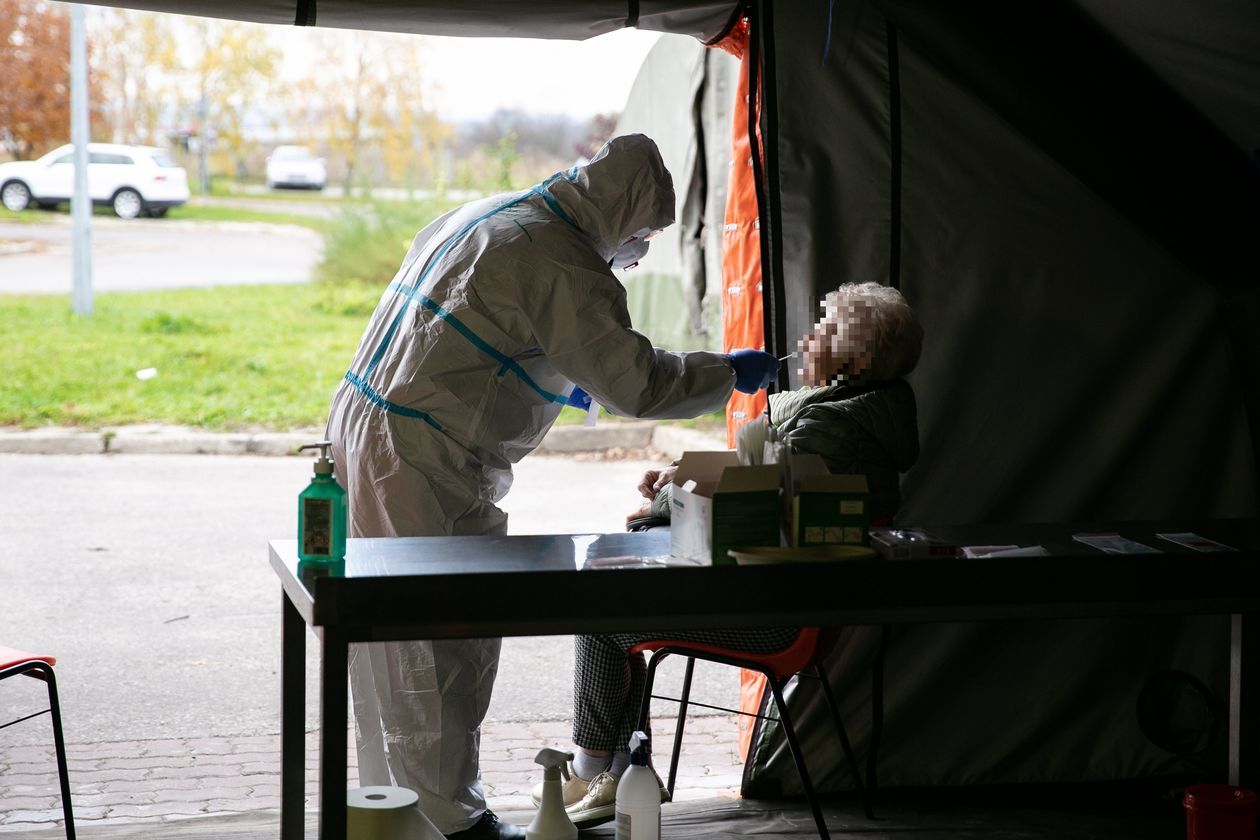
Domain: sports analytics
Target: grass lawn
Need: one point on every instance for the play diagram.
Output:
(242, 358)
(240, 214)
(227, 359)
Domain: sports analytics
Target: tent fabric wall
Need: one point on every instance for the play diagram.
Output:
(1069, 358)
(682, 99)
(743, 317)
(574, 20)
(1067, 193)
(1076, 366)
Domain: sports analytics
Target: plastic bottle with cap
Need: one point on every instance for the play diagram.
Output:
(552, 821)
(322, 509)
(639, 795)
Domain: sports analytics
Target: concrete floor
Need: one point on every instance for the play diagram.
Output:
(1065, 814)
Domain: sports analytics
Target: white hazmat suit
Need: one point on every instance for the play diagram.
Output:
(498, 309)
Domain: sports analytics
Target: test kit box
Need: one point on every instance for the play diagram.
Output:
(718, 505)
(828, 509)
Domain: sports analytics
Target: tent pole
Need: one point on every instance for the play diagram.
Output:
(894, 156)
(766, 176)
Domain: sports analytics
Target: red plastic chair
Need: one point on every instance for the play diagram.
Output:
(16, 662)
(804, 656)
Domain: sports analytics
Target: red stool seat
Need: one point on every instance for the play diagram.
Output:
(785, 663)
(12, 656)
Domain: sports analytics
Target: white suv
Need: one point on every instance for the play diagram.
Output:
(130, 179)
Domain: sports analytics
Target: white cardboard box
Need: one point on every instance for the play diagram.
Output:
(718, 505)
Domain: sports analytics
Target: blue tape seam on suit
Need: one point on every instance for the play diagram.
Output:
(413, 294)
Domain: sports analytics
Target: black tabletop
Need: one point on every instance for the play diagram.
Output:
(452, 587)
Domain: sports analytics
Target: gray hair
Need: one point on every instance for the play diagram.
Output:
(879, 317)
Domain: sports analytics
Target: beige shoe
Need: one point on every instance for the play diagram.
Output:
(599, 805)
(590, 803)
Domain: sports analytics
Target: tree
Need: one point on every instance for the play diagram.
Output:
(35, 67)
(134, 74)
(230, 68)
(371, 106)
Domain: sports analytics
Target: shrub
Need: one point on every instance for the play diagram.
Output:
(365, 246)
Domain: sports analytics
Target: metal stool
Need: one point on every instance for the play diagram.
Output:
(16, 662)
(804, 656)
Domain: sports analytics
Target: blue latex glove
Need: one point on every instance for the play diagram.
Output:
(754, 369)
(579, 399)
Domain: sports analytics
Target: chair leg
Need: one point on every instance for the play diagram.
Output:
(60, 747)
(682, 720)
(877, 707)
(854, 768)
(794, 745)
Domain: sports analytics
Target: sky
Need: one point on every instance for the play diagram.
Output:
(477, 76)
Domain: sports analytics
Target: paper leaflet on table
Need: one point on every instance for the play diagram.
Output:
(1195, 542)
(628, 561)
(974, 551)
(1114, 544)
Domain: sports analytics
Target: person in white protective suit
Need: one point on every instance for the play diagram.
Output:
(503, 311)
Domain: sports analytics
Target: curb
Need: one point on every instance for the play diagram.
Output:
(146, 439)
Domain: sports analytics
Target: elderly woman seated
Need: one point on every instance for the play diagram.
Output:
(858, 413)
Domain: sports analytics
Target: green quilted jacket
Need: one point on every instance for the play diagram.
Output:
(870, 429)
(856, 428)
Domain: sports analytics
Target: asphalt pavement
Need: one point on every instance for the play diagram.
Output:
(147, 576)
(145, 254)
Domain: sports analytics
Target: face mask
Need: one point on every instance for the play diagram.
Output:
(629, 254)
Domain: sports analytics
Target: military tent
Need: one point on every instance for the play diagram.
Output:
(1068, 193)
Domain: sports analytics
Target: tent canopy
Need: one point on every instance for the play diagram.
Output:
(574, 20)
(1068, 194)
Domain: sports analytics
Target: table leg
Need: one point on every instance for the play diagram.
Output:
(292, 722)
(332, 736)
(1244, 694)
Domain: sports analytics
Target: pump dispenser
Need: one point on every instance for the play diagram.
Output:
(552, 821)
(639, 795)
(322, 509)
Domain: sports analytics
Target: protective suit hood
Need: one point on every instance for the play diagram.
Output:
(623, 191)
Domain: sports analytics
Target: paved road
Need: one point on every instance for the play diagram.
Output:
(147, 576)
(144, 254)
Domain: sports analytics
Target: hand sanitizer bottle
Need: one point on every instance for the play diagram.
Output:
(552, 822)
(638, 795)
(322, 509)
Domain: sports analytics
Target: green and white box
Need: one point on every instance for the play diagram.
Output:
(828, 509)
(718, 505)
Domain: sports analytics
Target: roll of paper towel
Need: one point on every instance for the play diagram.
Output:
(381, 812)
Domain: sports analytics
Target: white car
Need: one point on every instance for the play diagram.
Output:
(295, 166)
(130, 179)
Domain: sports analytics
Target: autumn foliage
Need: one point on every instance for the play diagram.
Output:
(35, 66)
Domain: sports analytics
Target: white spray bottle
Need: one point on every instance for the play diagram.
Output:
(639, 795)
(552, 821)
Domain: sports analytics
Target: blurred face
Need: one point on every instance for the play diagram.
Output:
(833, 352)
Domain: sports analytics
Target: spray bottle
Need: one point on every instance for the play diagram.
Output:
(322, 508)
(552, 821)
(639, 795)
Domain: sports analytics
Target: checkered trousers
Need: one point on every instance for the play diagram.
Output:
(608, 682)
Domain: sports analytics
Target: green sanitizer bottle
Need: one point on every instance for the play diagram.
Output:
(322, 510)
